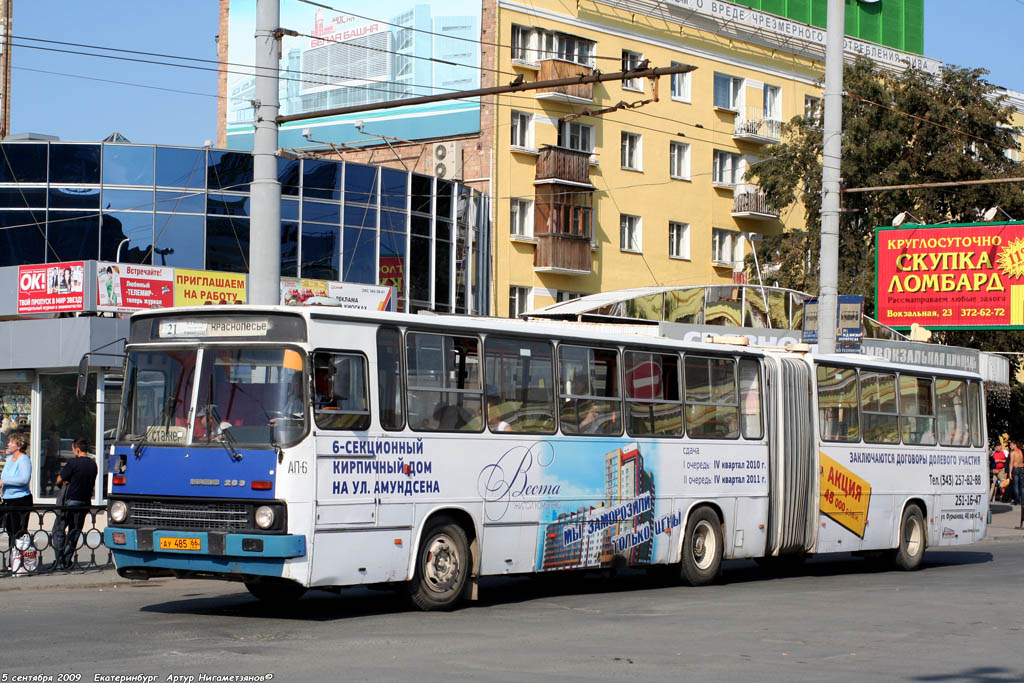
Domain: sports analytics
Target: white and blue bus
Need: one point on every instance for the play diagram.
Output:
(295, 448)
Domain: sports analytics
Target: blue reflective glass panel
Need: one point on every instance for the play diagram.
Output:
(227, 205)
(22, 237)
(288, 176)
(320, 212)
(181, 202)
(422, 189)
(229, 171)
(393, 220)
(177, 167)
(23, 162)
(74, 197)
(289, 248)
(360, 256)
(72, 236)
(320, 247)
(132, 200)
(74, 163)
(179, 241)
(137, 228)
(127, 165)
(321, 179)
(393, 188)
(23, 197)
(360, 184)
(289, 210)
(227, 244)
(360, 216)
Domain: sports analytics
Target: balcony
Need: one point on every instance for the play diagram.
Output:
(561, 165)
(562, 253)
(750, 202)
(753, 126)
(551, 69)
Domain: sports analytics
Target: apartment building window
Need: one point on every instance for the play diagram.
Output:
(521, 44)
(680, 85)
(573, 49)
(629, 233)
(561, 296)
(812, 109)
(631, 60)
(631, 151)
(522, 129)
(577, 136)
(726, 247)
(518, 301)
(1011, 152)
(726, 169)
(728, 92)
(679, 240)
(521, 217)
(679, 160)
(773, 102)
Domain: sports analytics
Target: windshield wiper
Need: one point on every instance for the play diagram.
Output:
(226, 438)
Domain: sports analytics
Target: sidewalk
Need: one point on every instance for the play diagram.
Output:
(1005, 519)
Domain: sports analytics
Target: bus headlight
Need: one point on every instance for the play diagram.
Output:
(118, 511)
(264, 516)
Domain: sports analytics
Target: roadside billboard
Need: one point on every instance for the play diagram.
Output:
(394, 49)
(949, 277)
(295, 291)
(201, 287)
(51, 287)
(125, 287)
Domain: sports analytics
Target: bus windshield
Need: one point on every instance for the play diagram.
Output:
(249, 396)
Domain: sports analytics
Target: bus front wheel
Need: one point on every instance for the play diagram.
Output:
(910, 552)
(442, 566)
(702, 547)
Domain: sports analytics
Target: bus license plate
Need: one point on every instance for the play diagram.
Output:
(170, 543)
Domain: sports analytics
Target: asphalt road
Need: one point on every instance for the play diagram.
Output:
(836, 619)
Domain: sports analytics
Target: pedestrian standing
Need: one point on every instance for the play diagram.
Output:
(1016, 470)
(79, 478)
(14, 492)
(998, 463)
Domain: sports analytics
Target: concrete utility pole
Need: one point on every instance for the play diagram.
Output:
(832, 147)
(265, 228)
(6, 17)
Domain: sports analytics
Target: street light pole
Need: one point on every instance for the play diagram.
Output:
(831, 151)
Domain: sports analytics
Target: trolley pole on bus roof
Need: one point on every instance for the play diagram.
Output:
(832, 148)
(265, 230)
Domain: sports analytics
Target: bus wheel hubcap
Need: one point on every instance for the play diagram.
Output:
(442, 564)
(703, 545)
(913, 532)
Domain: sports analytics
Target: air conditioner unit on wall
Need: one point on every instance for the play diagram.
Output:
(448, 160)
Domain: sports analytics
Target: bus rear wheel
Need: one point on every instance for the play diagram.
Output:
(275, 591)
(702, 547)
(910, 552)
(442, 567)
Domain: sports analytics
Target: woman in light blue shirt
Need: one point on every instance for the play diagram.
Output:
(17, 501)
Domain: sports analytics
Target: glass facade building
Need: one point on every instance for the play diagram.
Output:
(190, 208)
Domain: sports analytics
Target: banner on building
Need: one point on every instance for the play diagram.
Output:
(296, 291)
(202, 287)
(51, 287)
(125, 287)
(958, 276)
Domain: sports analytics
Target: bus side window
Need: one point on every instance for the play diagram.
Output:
(520, 385)
(389, 378)
(917, 410)
(589, 390)
(653, 402)
(750, 399)
(444, 390)
(712, 408)
(977, 428)
(838, 404)
(951, 412)
(878, 407)
(340, 398)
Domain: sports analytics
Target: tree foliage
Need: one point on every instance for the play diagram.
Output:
(898, 129)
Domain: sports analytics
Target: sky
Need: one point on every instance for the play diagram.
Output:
(77, 101)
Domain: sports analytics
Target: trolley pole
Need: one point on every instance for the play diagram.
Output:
(832, 148)
(265, 229)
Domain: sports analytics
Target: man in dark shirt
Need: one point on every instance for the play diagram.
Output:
(79, 476)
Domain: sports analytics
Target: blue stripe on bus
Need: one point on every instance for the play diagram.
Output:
(199, 471)
(272, 546)
(263, 566)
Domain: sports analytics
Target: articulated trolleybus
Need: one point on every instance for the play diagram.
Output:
(295, 448)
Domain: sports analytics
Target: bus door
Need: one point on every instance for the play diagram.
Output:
(348, 461)
(793, 462)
